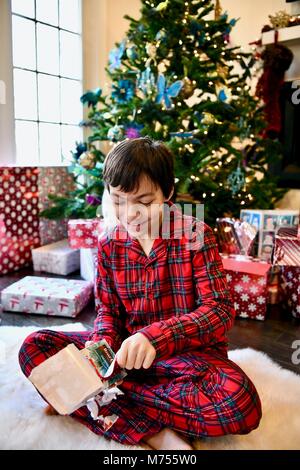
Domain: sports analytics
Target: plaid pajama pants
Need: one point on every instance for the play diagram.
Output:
(198, 393)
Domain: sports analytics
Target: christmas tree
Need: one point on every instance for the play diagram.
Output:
(175, 78)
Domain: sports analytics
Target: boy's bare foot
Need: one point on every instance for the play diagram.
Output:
(50, 411)
(168, 439)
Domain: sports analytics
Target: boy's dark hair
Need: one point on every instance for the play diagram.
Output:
(131, 158)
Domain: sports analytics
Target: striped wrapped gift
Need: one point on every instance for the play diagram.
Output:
(287, 255)
(287, 247)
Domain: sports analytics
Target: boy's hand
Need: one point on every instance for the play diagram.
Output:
(136, 352)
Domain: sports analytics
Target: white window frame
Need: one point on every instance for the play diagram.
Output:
(8, 155)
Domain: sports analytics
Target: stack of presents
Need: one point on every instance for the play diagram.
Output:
(260, 251)
(261, 256)
(57, 247)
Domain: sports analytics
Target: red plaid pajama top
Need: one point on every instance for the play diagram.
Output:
(179, 299)
(177, 296)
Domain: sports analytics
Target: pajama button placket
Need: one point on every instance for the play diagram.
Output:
(148, 292)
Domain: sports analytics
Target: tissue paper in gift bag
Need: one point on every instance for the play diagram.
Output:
(235, 236)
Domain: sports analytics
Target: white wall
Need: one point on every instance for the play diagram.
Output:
(104, 25)
(7, 129)
(253, 14)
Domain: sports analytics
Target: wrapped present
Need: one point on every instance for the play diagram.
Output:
(248, 282)
(69, 380)
(290, 289)
(274, 285)
(88, 260)
(56, 258)
(58, 181)
(267, 223)
(84, 233)
(47, 296)
(66, 380)
(287, 247)
(19, 222)
(234, 236)
(23, 194)
(286, 256)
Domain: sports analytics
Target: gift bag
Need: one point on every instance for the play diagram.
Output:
(73, 378)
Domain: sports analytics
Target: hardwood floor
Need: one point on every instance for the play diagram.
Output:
(274, 336)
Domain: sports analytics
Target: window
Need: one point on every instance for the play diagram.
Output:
(47, 80)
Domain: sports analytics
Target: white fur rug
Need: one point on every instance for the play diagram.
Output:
(23, 424)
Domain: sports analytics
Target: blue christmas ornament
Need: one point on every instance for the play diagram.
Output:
(115, 57)
(165, 93)
(186, 135)
(231, 25)
(198, 32)
(182, 135)
(131, 52)
(195, 27)
(91, 97)
(123, 92)
(81, 147)
(222, 95)
(236, 180)
(161, 36)
(201, 39)
(115, 133)
(146, 81)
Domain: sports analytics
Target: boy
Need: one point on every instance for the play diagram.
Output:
(164, 306)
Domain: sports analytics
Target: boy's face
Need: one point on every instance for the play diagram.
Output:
(140, 212)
